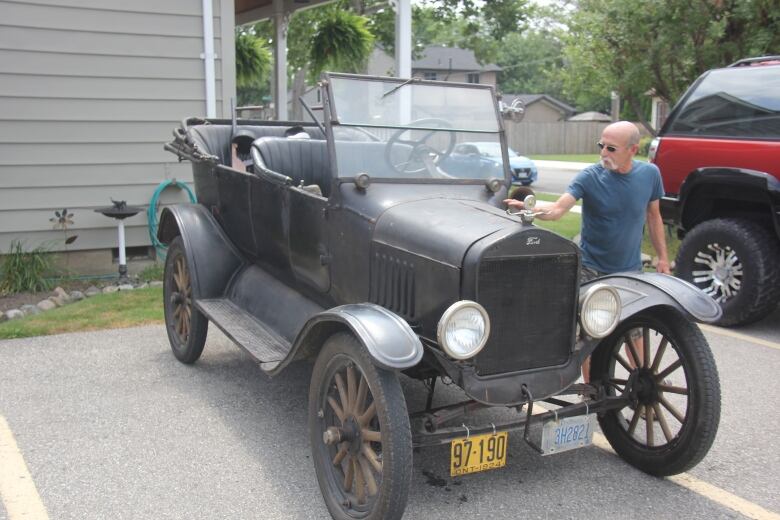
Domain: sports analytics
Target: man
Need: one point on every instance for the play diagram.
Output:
(618, 195)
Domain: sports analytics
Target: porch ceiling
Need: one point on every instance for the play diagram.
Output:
(249, 11)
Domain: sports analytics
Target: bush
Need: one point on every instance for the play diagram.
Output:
(644, 145)
(24, 271)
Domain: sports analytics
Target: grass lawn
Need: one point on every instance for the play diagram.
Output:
(104, 311)
(585, 157)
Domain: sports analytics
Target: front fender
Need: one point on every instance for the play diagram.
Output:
(644, 290)
(389, 340)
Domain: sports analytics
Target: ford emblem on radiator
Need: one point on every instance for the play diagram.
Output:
(532, 241)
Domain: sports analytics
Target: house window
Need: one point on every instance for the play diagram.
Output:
(429, 75)
(472, 77)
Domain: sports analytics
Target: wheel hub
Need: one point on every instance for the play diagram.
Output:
(643, 387)
(721, 276)
(176, 298)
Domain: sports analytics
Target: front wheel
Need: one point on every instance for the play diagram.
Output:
(663, 363)
(360, 437)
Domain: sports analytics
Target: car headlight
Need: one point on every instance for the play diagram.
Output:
(463, 329)
(599, 310)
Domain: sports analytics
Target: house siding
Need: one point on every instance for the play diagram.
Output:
(89, 92)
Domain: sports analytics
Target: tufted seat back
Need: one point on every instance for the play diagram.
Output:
(300, 159)
(216, 139)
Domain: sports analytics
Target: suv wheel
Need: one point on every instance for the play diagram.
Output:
(737, 263)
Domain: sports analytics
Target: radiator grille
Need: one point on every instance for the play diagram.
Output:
(530, 301)
(392, 284)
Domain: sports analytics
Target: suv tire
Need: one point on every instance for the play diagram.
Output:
(735, 261)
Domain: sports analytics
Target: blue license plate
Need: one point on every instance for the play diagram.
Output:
(568, 433)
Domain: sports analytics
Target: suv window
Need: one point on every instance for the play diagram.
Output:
(735, 102)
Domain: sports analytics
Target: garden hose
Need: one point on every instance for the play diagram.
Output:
(151, 213)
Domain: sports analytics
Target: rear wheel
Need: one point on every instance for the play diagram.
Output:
(360, 436)
(665, 366)
(737, 263)
(186, 326)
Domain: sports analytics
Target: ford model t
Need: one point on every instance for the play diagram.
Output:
(353, 242)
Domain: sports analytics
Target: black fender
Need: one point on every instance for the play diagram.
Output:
(389, 340)
(213, 259)
(703, 190)
(642, 291)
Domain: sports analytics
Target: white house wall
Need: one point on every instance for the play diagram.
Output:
(89, 92)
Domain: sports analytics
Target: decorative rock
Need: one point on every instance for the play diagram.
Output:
(91, 291)
(14, 314)
(58, 300)
(110, 289)
(646, 260)
(143, 286)
(29, 310)
(126, 287)
(47, 305)
(59, 291)
(155, 283)
(76, 295)
(3, 317)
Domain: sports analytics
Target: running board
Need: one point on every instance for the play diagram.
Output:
(246, 331)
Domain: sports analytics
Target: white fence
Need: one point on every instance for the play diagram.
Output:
(553, 138)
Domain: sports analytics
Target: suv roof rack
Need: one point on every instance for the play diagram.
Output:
(746, 62)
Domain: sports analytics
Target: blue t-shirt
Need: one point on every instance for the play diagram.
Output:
(614, 208)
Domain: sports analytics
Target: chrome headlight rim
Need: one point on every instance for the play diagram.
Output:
(585, 299)
(447, 316)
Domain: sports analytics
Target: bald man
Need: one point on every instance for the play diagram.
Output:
(618, 196)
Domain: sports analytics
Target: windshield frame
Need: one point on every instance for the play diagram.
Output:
(331, 120)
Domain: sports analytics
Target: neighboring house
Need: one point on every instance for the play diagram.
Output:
(540, 108)
(438, 63)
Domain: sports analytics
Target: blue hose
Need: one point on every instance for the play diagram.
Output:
(151, 213)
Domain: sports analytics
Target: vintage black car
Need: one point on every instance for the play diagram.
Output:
(348, 242)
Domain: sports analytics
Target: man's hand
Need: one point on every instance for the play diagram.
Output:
(512, 203)
(663, 267)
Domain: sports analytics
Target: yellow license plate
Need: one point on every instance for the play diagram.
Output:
(478, 453)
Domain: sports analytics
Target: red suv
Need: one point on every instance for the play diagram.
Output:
(719, 155)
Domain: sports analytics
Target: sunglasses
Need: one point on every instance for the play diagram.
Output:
(609, 147)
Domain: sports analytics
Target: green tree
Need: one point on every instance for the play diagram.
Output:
(531, 62)
(661, 45)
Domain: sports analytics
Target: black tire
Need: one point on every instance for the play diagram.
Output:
(675, 392)
(186, 325)
(737, 263)
(344, 373)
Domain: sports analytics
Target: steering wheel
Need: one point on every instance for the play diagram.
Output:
(421, 156)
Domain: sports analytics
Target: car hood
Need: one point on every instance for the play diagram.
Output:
(440, 229)
(519, 161)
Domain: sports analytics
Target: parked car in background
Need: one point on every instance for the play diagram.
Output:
(719, 155)
(486, 158)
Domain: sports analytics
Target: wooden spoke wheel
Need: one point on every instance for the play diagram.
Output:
(664, 365)
(186, 326)
(360, 436)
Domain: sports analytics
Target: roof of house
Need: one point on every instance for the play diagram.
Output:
(530, 99)
(590, 116)
(437, 57)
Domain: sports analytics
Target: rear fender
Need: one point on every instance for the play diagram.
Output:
(389, 340)
(212, 258)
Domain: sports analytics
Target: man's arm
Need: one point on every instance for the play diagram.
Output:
(655, 226)
(548, 210)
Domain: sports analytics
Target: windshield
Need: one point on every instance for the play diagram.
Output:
(396, 129)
